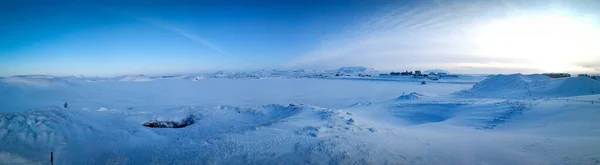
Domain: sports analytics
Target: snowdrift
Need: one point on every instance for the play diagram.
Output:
(29, 137)
(519, 86)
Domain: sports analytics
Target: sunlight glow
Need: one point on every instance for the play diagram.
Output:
(551, 43)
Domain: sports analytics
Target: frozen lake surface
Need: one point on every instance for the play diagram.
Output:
(114, 94)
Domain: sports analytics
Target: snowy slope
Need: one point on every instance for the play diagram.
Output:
(443, 131)
(518, 86)
(30, 136)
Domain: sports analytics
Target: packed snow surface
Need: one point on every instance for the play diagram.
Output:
(299, 121)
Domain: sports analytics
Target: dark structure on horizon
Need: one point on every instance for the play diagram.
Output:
(557, 75)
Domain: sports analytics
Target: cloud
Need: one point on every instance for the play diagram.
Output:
(405, 37)
(187, 34)
(436, 35)
(165, 25)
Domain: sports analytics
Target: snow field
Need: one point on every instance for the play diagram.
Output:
(303, 121)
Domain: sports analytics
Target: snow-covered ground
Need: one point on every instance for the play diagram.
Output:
(505, 119)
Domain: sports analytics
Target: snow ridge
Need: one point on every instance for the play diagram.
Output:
(520, 86)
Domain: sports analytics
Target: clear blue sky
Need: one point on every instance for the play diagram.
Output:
(107, 38)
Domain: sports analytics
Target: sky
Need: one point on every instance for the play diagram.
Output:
(109, 38)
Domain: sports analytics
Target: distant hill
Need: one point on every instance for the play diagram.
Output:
(518, 86)
(354, 69)
(436, 71)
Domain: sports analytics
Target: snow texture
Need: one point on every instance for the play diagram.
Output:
(288, 120)
(520, 86)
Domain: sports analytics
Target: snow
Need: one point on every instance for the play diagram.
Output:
(288, 120)
(520, 86)
(160, 93)
(355, 69)
(411, 96)
(437, 71)
(34, 80)
(135, 78)
(196, 78)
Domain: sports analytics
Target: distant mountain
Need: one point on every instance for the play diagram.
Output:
(436, 71)
(43, 80)
(135, 78)
(355, 69)
(38, 80)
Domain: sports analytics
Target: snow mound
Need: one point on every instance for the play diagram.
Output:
(518, 86)
(411, 96)
(354, 69)
(135, 78)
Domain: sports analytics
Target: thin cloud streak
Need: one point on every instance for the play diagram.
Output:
(165, 26)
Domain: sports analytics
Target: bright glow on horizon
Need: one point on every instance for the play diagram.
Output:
(551, 43)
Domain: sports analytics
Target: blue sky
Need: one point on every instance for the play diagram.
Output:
(107, 38)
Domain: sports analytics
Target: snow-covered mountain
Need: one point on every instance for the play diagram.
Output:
(355, 70)
(343, 72)
(135, 78)
(437, 71)
(38, 80)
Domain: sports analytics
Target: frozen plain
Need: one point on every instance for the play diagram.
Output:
(509, 119)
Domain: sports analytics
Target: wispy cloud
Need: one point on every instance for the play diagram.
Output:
(187, 34)
(400, 38)
(165, 25)
(436, 35)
